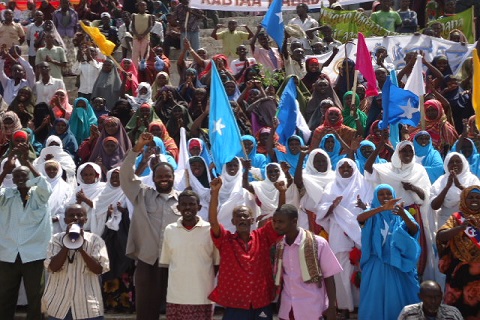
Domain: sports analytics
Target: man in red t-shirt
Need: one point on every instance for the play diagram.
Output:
(245, 282)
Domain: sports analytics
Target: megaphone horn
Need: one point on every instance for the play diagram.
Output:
(73, 239)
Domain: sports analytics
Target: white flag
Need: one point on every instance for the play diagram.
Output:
(415, 81)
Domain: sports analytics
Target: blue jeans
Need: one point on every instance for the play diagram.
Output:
(265, 313)
(193, 37)
(69, 317)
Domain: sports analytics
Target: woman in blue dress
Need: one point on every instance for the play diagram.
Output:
(390, 251)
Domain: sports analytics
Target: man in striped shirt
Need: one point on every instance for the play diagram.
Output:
(73, 288)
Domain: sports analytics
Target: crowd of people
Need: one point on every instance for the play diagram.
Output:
(340, 218)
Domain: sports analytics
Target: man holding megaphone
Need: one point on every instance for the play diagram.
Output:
(75, 259)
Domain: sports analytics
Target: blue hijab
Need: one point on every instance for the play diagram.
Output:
(361, 159)
(81, 120)
(258, 160)
(429, 157)
(473, 159)
(289, 157)
(163, 151)
(334, 155)
(69, 141)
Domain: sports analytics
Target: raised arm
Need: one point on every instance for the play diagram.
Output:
(298, 178)
(131, 185)
(215, 186)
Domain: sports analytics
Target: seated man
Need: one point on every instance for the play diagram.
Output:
(73, 287)
(431, 306)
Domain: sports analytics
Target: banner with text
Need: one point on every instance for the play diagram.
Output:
(347, 24)
(462, 21)
(261, 5)
(398, 46)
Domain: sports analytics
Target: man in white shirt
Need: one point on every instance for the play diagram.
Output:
(188, 246)
(88, 68)
(46, 87)
(20, 71)
(305, 22)
(73, 288)
(32, 34)
(242, 63)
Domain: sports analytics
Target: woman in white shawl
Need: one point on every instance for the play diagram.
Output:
(144, 95)
(54, 151)
(411, 183)
(337, 213)
(446, 190)
(62, 192)
(88, 190)
(267, 191)
(310, 182)
(110, 205)
(113, 222)
(232, 194)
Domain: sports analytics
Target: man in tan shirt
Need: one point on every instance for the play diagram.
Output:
(11, 32)
(154, 209)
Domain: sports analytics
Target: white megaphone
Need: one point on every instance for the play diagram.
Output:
(73, 239)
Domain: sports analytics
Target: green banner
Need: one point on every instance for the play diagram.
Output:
(462, 21)
(347, 24)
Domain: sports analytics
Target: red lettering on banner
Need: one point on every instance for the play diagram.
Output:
(294, 3)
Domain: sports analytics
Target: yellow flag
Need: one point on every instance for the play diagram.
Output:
(105, 46)
(476, 87)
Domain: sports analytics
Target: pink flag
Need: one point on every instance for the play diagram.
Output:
(364, 65)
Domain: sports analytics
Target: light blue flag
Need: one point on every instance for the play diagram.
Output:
(223, 129)
(287, 112)
(399, 106)
(273, 23)
(394, 128)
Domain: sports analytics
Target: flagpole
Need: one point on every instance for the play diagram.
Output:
(422, 112)
(345, 61)
(354, 90)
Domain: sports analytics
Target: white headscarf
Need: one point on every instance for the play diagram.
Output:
(110, 196)
(267, 193)
(396, 172)
(62, 157)
(315, 181)
(92, 191)
(466, 179)
(342, 227)
(233, 195)
(62, 193)
(140, 99)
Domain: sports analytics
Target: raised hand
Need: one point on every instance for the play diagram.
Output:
(390, 204)
(216, 184)
(280, 186)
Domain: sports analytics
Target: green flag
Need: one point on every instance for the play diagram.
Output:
(349, 23)
(462, 21)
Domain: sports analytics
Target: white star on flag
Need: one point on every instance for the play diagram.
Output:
(219, 126)
(280, 17)
(408, 110)
(385, 232)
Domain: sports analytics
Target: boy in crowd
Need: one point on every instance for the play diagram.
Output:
(187, 246)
